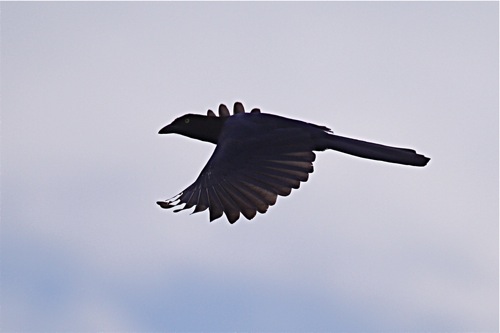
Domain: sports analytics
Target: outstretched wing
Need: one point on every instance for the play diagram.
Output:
(248, 170)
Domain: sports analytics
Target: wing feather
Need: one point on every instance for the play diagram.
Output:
(216, 208)
(228, 204)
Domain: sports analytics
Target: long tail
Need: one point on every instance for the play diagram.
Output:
(375, 151)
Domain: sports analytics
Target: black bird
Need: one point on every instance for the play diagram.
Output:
(259, 156)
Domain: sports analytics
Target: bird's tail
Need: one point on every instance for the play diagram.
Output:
(375, 151)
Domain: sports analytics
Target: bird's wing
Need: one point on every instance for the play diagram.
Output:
(247, 171)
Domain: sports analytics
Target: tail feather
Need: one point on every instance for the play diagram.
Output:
(375, 151)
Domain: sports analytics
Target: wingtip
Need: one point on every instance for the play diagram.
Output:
(238, 108)
(164, 204)
(223, 111)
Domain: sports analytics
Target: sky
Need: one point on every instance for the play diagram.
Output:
(362, 246)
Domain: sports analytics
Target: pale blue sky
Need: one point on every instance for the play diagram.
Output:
(362, 246)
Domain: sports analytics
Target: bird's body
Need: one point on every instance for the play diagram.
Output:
(260, 156)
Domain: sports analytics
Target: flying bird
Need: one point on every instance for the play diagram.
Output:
(259, 156)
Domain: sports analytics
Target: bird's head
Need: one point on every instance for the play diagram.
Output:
(196, 126)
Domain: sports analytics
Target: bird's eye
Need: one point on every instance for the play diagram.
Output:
(186, 120)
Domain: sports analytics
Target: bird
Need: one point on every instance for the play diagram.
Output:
(259, 156)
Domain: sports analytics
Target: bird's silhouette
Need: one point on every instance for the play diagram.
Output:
(259, 156)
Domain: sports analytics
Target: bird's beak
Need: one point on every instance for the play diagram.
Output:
(167, 129)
